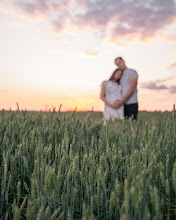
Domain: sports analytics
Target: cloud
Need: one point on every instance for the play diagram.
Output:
(171, 66)
(91, 53)
(33, 7)
(153, 85)
(172, 89)
(129, 19)
(165, 80)
(156, 85)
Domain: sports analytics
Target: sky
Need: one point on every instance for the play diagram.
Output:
(55, 52)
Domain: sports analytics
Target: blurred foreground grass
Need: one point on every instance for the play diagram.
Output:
(69, 165)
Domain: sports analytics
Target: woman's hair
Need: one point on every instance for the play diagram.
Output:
(113, 76)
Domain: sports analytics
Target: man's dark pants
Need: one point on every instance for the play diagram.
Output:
(131, 111)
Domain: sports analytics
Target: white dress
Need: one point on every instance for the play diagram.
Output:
(112, 94)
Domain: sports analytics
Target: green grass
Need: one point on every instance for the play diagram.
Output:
(59, 165)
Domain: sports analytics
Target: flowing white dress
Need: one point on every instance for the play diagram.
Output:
(112, 94)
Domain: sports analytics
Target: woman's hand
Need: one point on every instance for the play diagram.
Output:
(112, 105)
(117, 104)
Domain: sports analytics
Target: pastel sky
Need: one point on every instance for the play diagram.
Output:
(56, 52)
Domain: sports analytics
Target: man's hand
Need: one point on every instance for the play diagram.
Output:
(119, 103)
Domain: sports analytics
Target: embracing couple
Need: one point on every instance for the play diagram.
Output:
(119, 93)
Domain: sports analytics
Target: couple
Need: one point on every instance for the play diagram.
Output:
(119, 93)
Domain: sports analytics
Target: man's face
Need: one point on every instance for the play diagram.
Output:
(120, 63)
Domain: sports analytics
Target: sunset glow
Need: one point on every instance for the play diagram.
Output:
(59, 52)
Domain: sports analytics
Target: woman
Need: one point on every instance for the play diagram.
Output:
(110, 93)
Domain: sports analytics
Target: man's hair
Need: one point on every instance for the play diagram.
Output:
(119, 58)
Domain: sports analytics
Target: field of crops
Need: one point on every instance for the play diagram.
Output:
(71, 166)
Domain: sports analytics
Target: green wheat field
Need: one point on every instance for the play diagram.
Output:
(56, 165)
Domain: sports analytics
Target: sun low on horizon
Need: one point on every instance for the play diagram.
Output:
(58, 52)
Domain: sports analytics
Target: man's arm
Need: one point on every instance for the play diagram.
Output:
(133, 85)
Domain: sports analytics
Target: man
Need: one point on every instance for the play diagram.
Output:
(128, 83)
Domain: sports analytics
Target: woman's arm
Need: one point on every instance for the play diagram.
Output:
(102, 95)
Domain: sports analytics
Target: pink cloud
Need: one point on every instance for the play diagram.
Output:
(160, 85)
(171, 66)
(129, 19)
(154, 86)
(91, 53)
(172, 89)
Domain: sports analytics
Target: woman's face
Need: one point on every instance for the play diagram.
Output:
(118, 74)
